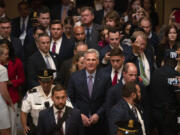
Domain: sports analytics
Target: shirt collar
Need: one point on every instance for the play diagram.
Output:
(42, 92)
(119, 70)
(57, 41)
(43, 54)
(88, 74)
(120, 47)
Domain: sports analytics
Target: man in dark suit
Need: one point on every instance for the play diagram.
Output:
(5, 33)
(43, 19)
(60, 45)
(114, 71)
(23, 22)
(60, 119)
(87, 90)
(115, 93)
(164, 103)
(91, 29)
(114, 42)
(128, 108)
(64, 72)
(153, 39)
(108, 5)
(141, 56)
(41, 59)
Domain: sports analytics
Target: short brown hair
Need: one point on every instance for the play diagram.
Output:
(128, 89)
(116, 52)
(58, 87)
(57, 21)
(138, 33)
(5, 20)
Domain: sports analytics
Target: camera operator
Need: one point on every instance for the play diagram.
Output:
(164, 105)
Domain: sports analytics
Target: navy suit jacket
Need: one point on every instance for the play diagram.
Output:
(107, 48)
(16, 30)
(149, 55)
(122, 112)
(66, 50)
(18, 48)
(35, 63)
(78, 93)
(46, 123)
(98, 16)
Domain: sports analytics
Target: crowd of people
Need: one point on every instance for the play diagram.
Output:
(79, 68)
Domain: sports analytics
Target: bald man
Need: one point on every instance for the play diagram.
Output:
(79, 34)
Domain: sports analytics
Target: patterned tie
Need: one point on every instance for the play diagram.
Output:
(135, 112)
(90, 84)
(59, 118)
(114, 81)
(142, 72)
(47, 62)
(54, 47)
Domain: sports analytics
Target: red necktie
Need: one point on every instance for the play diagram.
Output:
(114, 81)
(54, 48)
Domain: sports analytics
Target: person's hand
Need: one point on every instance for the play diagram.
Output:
(94, 119)
(107, 57)
(26, 129)
(85, 120)
(171, 17)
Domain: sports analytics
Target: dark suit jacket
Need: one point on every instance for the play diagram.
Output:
(93, 43)
(149, 55)
(98, 16)
(78, 93)
(66, 50)
(46, 123)
(35, 63)
(122, 112)
(107, 48)
(16, 30)
(18, 48)
(64, 72)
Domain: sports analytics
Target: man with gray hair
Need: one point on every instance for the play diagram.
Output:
(87, 90)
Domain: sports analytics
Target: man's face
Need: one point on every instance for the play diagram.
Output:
(68, 28)
(79, 34)
(91, 62)
(24, 10)
(116, 62)
(46, 86)
(5, 29)
(59, 99)
(44, 44)
(108, 5)
(139, 45)
(44, 19)
(114, 39)
(87, 17)
(131, 74)
(56, 31)
(145, 24)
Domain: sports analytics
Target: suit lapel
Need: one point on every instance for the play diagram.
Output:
(52, 118)
(41, 59)
(96, 84)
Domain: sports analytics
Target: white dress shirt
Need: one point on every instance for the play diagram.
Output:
(58, 45)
